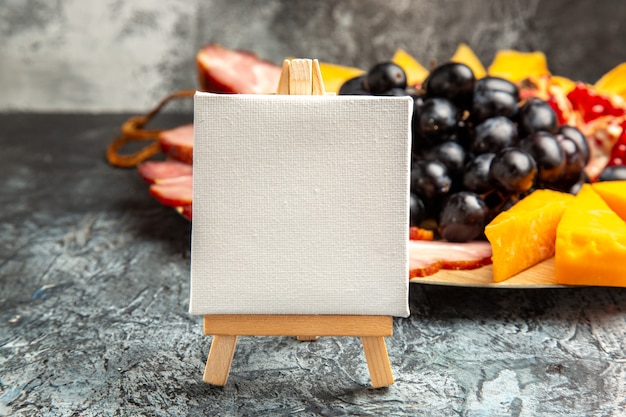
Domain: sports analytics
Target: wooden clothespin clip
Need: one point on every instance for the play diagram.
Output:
(301, 77)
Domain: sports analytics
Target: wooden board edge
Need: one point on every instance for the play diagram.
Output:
(538, 276)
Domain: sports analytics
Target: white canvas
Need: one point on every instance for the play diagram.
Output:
(300, 205)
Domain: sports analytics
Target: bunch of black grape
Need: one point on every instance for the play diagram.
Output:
(477, 148)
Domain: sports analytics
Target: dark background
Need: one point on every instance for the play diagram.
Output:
(582, 39)
(116, 55)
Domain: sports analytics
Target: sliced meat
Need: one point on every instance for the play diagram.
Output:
(417, 233)
(222, 70)
(176, 193)
(428, 257)
(177, 143)
(159, 172)
(185, 211)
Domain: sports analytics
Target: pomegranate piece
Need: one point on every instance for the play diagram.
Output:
(618, 154)
(592, 105)
(159, 172)
(601, 118)
(222, 70)
(603, 133)
(428, 257)
(177, 143)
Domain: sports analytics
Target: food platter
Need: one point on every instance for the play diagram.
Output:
(598, 112)
(538, 276)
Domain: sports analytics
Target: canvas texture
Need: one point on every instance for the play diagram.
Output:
(300, 205)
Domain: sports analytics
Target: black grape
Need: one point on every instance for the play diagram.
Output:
(548, 154)
(494, 134)
(430, 179)
(463, 218)
(513, 170)
(383, 77)
(454, 81)
(613, 173)
(536, 115)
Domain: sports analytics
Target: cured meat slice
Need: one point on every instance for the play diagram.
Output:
(185, 211)
(175, 193)
(428, 257)
(417, 233)
(222, 70)
(177, 143)
(159, 172)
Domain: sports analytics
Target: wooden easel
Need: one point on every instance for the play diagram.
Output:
(298, 77)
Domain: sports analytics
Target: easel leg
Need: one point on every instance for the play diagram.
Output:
(377, 360)
(219, 360)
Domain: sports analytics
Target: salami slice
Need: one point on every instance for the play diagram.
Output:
(222, 70)
(425, 257)
(177, 143)
(159, 172)
(428, 257)
(175, 193)
(185, 211)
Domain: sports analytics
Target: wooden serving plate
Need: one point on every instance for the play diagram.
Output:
(538, 276)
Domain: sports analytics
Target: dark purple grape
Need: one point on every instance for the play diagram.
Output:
(512, 170)
(463, 217)
(493, 103)
(571, 186)
(419, 143)
(354, 86)
(417, 210)
(508, 203)
(497, 84)
(395, 92)
(430, 179)
(418, 103)
(498, 202)
(464, 134)
(476, 176)
(449, 153)
(577, 136)
(454, 81)
(613, 173)
(383, 77)
(437, 120)
(547, 152)
(494, 134)
(574, 189)
(536, 115)
(574, 165)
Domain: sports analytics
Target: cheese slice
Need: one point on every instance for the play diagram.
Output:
(614, 194)
(525, 235)
(590, 243)
(465, 55)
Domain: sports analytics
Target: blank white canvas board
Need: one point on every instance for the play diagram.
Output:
(300, 205)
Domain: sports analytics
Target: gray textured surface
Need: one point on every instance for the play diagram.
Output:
(116, 55)
(93, 322)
